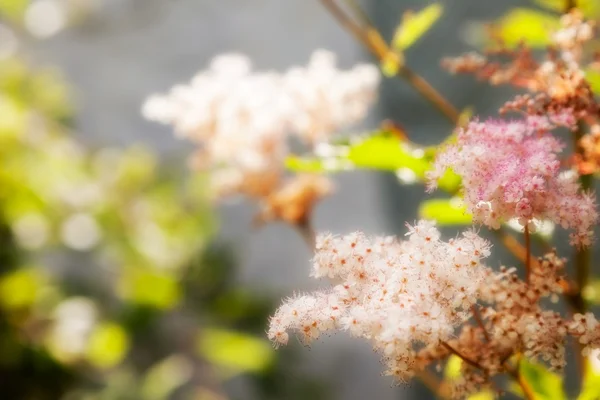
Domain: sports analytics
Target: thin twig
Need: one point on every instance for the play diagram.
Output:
(360, 13)
(569, 5)
(479, 321)
(462, 357)
(513, 245)
(370, 37)
(527, 254)
(516, 375)
(308, 233)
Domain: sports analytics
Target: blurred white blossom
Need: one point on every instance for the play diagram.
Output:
(80, 232)
(242, 120)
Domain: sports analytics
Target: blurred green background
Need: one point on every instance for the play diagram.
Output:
(112, 283)
(118, 278)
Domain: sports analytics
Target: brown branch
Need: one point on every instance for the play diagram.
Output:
(372, 40)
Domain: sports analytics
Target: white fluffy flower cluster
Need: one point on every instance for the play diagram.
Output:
(242, 119)
(400, 295)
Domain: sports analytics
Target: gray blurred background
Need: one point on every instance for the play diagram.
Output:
(129, 49)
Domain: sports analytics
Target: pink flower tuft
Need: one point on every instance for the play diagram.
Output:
(511, 170)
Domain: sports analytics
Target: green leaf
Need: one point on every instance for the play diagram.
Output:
(391, 64)
(381, 151)
(19, 289)
(445, 212)
(545, 384)
(108, 345)
(526, 25)
(593, 78)
(591, 293)
(148, 288)
(591, 383)
(485, 395)
(453, 367)
(589, 8)
(415, 25)
(450, 182)
(13, 9)
(163, 378)
(385, 151)
(314, 164)
(236, 351)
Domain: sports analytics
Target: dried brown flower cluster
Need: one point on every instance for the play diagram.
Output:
(512, 325)
(556, 84)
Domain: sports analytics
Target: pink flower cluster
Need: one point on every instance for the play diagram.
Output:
(396, 294)
(512, 170)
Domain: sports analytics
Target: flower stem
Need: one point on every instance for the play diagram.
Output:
(516, 375)
(527, 254)
(479, 321)
(513, 245)
(308, 233)
(461, 356)
(582, 256)
(372, 40)
(569, 5)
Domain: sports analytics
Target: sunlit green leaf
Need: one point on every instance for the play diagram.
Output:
(445, 212)
(416, 24)
(593, 78)
(391, 64)
(150, 288)
(387, 152)
(591, 292)
(381, 151)
(591, 382)
(234, 350)
(107, 345)
(545, 384)
(590, 8)
(526, 25)
(313, 165)
(450, 182)
(166, 376)
(453, 367)
(486, 395)
(20, 288)
(13, 9)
